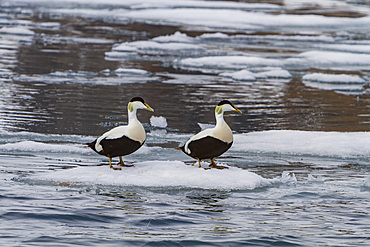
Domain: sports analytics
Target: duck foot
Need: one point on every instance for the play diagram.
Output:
(115, 168)
(124, 165)
(213, 165)
(120, 163)
(110, 165)
(217, 167)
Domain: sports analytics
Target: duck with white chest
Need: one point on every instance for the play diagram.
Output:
(211, 143)
(123, 140)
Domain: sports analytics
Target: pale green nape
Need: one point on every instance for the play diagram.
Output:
(130, 107)
(218, 110)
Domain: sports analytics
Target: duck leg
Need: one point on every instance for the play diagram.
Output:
(110, 164)
(121, 162)
(213, 165)
(200, 166)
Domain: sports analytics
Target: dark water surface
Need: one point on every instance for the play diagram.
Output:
(59, 88)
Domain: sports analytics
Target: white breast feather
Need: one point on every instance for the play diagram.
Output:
(133, 131)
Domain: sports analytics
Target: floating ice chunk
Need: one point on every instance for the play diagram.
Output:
(275, 73)
(105, 72)
(288, 38)
(242, 75)
(227, 62)
(142, 46)
(366, 184)
(40, 147)
(159, 122)
(356, 48)
(334, 78)
(17, 31)
(341, 83)
(49, 25)
(217, 35)
(246, 75)
(177, 37)
(160, 174)
(124, 47)
(159, 46)
(312, 179)
(288, 178)
(328, 59)
(347, 89)
(131, 71)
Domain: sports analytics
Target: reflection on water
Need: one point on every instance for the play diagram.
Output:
(69, 68)
(49, 94)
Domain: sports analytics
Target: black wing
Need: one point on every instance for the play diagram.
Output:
(119, 146)
(207, 147)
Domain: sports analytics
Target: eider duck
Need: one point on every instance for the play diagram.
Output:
(123, 140)
(211, 143)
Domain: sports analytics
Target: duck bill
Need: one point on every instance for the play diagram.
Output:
(148, 107)
(237, 110)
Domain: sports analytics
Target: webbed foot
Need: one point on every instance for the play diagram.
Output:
(213, 165)
(121, 163)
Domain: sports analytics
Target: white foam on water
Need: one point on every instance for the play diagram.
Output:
(161, 174)
(312, 143)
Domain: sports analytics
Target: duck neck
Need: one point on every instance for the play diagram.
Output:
(219, 119)
(132, 117)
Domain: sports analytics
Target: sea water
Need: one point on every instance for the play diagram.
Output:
(298, 170)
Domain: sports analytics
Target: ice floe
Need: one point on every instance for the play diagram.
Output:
(355, 48)
(340, 83)
(41, 147)
(246, 75)
(334, 78)
(162, 174)
(328, 59)
(123, 71)
(227, 62)
(177, 44)
(312, 143)
(16, 30)
(235, 19)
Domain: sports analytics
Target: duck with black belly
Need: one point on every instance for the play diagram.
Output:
(123, 140)
(211, 143)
